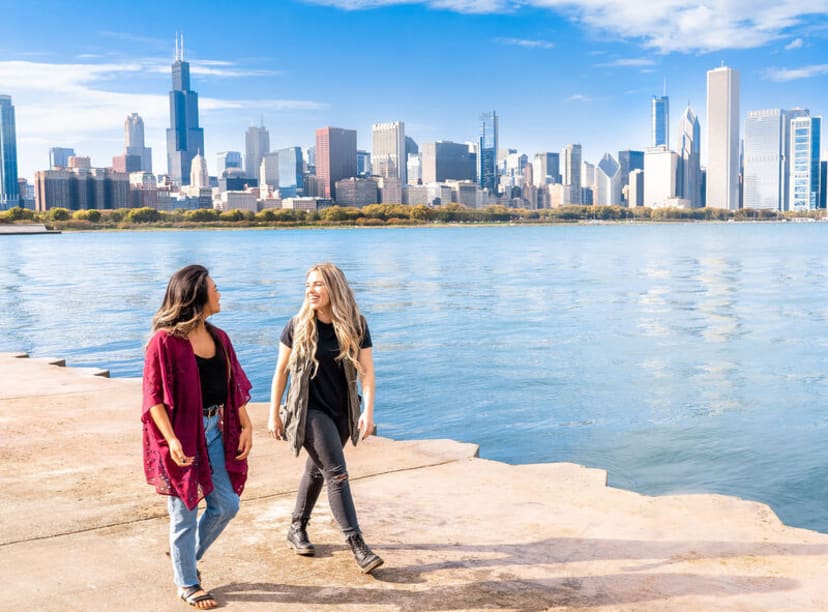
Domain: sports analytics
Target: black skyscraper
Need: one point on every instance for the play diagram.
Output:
(184, 138)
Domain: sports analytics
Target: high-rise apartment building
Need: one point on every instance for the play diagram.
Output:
(335, 158)
(487, 152)
(134, 138)
(722, 138)
(804, 189)
(661, 120)
(81, 188)
(688, 176)
(445, 160)
(185, 139)
(9, 187)
(256, 146)
(388, 152)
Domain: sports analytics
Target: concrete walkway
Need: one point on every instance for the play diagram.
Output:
(81, 531)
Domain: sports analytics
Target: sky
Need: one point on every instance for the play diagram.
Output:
(555, 71)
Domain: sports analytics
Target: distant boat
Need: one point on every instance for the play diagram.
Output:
(17, 229)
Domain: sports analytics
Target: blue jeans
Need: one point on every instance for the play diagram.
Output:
(190, 536)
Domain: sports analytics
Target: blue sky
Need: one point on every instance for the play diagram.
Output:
(556, 72)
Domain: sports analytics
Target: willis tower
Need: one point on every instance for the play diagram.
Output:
(185, 139)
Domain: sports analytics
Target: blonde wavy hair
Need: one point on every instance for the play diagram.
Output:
(184, 301)
(348, 323)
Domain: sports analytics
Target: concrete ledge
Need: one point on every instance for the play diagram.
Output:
(82, 531)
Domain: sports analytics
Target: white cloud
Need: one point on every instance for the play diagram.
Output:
(665, 26)
(74, 105)
(522, 42)
(793, 74)
(579, 98)
(796, 43)
(627, 63)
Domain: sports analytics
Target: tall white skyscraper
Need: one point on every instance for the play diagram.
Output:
(199, 177)
(608, 181)
(388, 151)
(571, 173)
(688, 178)
(722, 138)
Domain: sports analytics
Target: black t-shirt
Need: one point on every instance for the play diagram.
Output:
(213, 375)
(329, 388)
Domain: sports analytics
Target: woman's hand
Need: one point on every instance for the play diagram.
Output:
(177, 453)
(275, 427)
(366, 425)
(245, 443)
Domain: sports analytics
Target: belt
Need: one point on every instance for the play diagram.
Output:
(210, 411)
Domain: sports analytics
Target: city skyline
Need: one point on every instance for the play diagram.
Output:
(554, 76)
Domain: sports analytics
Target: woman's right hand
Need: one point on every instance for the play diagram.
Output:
(177, 453)
(275, 427)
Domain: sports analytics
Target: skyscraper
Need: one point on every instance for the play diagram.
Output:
(661, 120)
(444, 160)
(59, 157)
(804, 163)
(134, 138)
(228, 160)
(487, 152)
(688, 175)
(291, 177)
(629, 162)
(571, 174)
(722, 138)
(9, 188)
(546, 169)
(335, 158)
(256, 146)
(767, 171)
(388, 152)
(608, 181)
(184, 138)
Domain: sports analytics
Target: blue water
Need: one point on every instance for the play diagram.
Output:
(680, 358)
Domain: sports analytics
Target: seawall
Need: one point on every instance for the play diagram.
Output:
(82, 531)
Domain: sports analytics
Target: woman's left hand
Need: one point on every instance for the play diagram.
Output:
(245, 443)
(366, 425)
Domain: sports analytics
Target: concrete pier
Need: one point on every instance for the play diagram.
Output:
(81, 530)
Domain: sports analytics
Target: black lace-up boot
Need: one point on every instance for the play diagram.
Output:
(297, 537)
(365, 558)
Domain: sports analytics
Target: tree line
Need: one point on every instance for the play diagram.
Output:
(379, 215)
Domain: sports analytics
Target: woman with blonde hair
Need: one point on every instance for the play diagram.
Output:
(325, 349)
(197, 434)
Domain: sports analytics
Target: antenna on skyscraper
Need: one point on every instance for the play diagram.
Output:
(665, 86)
(182, 46)
(175, 57)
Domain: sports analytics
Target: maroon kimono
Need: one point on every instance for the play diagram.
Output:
(171, 378)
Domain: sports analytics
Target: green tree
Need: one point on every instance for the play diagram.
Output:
(92, 214)
(143, 215)
(59, 214)
(202, 215)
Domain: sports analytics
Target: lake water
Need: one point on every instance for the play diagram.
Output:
(680, 358)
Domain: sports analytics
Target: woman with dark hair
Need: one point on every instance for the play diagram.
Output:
(326, 349)
(197, 434)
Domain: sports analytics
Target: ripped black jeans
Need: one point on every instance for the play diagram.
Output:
(324, 441)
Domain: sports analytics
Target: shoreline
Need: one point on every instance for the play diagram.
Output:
(457, 532)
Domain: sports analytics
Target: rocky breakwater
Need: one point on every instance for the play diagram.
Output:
(82, 531)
